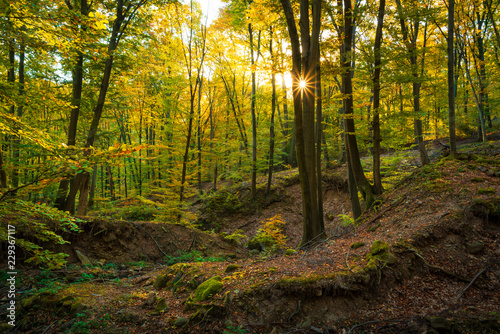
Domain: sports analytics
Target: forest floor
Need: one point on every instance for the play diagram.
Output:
(425, 258)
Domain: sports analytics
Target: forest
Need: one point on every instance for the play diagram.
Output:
(291, 166)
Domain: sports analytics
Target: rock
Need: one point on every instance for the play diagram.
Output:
(85, 260)
(180, 321)
(161, 306)
(358, 244)
(379, 247)
(150, 300)
(306, 324)
(254, 252)
(77, 307)
(255, 244)
(128, 316)
(474, 247)
(208, 288)
(440, 324)
(290, 252)
(228, 323)
(161, 281)
(232, 267)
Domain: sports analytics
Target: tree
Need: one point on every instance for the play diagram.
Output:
(304, 74)
(350, 131)
(451, 77)
(377, 181)
(410, 37)
(125, 12)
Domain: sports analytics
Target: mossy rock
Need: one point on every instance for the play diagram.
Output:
(476, 180)
(181, 321)
(208, 288)
(161, 305)
(290, 252)
(486, 191)
(232, 267)
(379, 247)
(76, 308)
(256, 244)
(358, 244)
(161, 281)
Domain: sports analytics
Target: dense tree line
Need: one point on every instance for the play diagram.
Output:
(112, 99)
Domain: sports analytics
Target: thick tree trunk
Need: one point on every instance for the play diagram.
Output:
(304, 67)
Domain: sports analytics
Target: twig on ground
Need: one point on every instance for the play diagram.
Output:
(46, 329)
(376, 321)
(458, 277)
(471, 282)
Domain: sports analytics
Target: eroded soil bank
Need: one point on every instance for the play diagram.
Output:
(424, 259)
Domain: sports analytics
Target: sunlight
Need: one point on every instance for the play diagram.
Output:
(302, 84)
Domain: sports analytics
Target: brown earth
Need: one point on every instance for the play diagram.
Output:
(439, 273)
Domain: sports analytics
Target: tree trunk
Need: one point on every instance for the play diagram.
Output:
(351, 143)
(77, 76)
(319, 139)
(304, 67)
(273, 109)
(377, 180)
(82, 180)
(451, 78)
(17, 139)
(254, 118)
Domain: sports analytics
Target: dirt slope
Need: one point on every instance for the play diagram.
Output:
(425, 259)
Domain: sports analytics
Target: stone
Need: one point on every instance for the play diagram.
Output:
(379, 247)
(161, 281)
(150, 300)
(306, 324)
(180, 321)
(208, 288)
(161, 306)
(358, 244)
(228, 323)
(84, 259)
(474, 247)
(440, 324)
(232, 267)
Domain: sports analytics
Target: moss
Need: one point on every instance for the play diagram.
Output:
(379, 247)
(232, 267)
(358, 244)
(208, 288)
(161, 305)
(161, 281)
(290, 251)
(476, 180)
(486, 191)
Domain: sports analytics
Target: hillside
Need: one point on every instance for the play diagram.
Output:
(424, 259)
